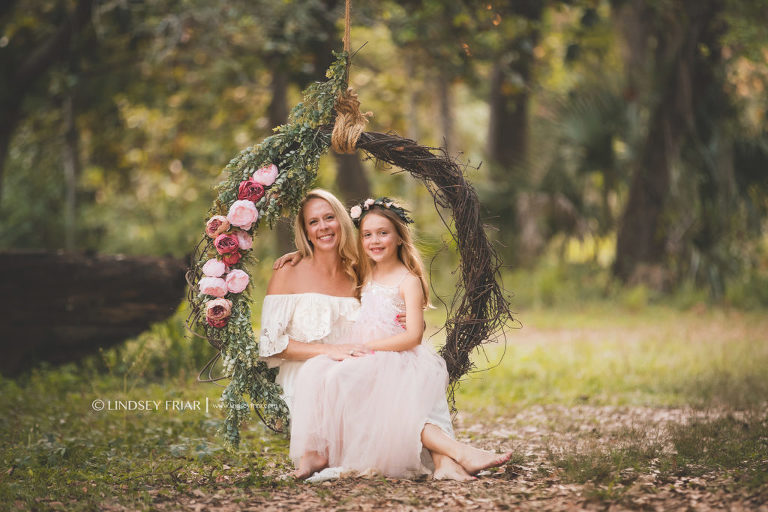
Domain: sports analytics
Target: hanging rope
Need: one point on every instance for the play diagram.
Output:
(346, 28)
(350, 122)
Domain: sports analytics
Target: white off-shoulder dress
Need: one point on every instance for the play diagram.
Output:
(304, 317)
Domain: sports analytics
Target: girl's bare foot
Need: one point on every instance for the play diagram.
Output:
(310, 463)
(449, 469)
(474, 460)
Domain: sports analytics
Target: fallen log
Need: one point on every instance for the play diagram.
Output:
(59, 307)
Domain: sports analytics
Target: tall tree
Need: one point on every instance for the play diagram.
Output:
(676, 62)
(36, 47)
(511, 79)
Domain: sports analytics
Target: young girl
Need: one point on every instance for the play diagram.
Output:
(376, 413)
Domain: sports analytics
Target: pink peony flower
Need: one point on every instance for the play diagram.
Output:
(231, 258)
(217, 312)
(244, 240)
(214, 268)
(368, 203)
(226, 244)
(216, 225)
(214, 286)
(355, 212)
(266, 175)
(242, 213)
(250, 190)
(237, 281)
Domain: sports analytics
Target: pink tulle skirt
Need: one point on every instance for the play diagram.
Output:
(367, 413)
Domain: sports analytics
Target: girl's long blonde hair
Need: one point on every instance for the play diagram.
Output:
(347, 249)
(407, 252)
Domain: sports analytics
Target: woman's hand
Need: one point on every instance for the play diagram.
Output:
(400, 319)
(346, 351)
(292, 257)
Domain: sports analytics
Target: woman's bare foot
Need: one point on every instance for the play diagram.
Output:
(474, 460)
(310, 463)
(449, 469)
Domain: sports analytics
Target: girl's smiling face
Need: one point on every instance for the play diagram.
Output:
(321, 224)
(379, 237)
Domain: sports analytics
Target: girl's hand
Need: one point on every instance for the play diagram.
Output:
(292, 257)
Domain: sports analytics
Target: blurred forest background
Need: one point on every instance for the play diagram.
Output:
(612, 143)
(620, 152)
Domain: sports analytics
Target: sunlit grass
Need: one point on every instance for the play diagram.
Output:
(604, 355)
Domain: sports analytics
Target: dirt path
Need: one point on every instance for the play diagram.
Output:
(531, 481)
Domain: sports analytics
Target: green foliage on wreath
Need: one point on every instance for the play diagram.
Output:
(295, 148)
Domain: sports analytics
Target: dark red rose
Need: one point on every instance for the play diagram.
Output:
(231, 258)
(226, 243)
(217, 312)
(250, 190)
(217, 323)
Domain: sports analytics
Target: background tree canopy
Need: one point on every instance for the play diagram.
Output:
(626, 134)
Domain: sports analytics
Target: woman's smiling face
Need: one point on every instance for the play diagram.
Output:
(379, 236)
(321, 225)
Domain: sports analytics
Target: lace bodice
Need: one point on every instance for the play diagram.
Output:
(373, 289)
(305, 317)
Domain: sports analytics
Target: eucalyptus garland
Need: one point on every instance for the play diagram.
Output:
(263, 183)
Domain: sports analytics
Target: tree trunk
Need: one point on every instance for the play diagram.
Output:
(510, 82)
(508, 137)
(59, 307)
(641, 240)
(508, 130)
(278, 114)
(37, 63)
(446, 110)
(11, 117)
(71, 164)
(412, 130)
(351, 178)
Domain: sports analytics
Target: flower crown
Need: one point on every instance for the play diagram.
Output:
(358, 211)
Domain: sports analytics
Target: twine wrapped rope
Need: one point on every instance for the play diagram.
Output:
(350, 123)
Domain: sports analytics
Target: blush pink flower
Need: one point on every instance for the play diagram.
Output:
(226, 244)
(368, 203)
(242, 213)
(237, 281)
(355, 212)
(266, 175)
(214, 268)
(244, 240)
(213, 286)
(216, 225)
(217, 312)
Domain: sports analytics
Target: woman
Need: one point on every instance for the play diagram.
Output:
(310, 306)
(309, 310)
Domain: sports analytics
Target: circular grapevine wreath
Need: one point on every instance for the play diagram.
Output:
(270, 180)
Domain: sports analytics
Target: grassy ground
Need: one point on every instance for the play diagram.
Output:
(601, 402)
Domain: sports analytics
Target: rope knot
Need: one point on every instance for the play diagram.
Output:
(350, 122)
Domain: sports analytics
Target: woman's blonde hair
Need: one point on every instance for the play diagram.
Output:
(347, 248)
(407, 252)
